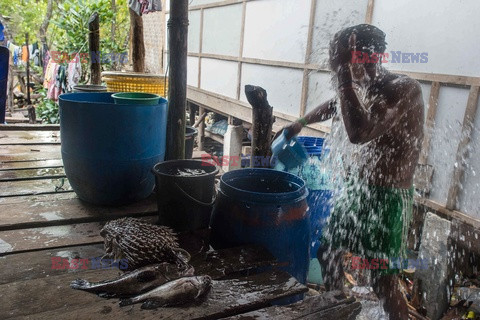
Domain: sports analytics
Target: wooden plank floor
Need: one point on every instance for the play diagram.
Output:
(41, 218)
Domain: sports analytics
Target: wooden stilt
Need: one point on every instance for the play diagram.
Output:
(262, 121)
(94, 48)
(177, 92)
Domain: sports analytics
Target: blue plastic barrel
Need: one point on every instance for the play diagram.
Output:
(109, 149)
(318, 194)
(265, 207)
(4, 58)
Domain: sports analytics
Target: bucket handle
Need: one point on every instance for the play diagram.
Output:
(206, 204)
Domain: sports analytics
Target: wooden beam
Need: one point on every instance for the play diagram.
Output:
(308, 53)
(238, 109)
(177, 92)
(421, 76)
(430, 122)
(94, 48)
(200, 49)
(462, 150)
(136, 38)
(201, 129)
(240, 51)
(201, 118)
(369, 14)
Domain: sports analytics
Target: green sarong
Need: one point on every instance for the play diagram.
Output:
(371, 222)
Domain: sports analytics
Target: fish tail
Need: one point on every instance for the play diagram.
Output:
(80, 284)
(126, 302)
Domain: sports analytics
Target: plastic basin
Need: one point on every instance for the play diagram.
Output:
(149, 99)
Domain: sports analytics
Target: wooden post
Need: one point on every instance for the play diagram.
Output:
(262, 121)
(10, 88)
(201, 128)
(462, 150)
(177, 92)
(430, 122)
(28, 70)
(138, 46)
(94, 48)
(192, 109)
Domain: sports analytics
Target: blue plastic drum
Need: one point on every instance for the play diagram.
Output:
(109, 149)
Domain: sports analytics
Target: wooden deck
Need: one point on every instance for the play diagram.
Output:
(41, 218)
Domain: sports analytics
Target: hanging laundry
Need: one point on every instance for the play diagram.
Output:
(24, 53)
(74, 72)
(50, 79)
(60, 82)
(152, 6)
(16, 55)
(145, 6)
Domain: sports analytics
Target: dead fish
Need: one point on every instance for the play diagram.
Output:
(134, 282)
(142, 243)
(175, 292)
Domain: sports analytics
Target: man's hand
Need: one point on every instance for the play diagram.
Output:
(357, 69)
(292, 130)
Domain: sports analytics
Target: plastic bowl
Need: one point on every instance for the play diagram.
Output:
(149, 99)
(290, 153)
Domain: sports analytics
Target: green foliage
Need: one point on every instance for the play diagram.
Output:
(71, 25)
(25, 16)
(47, 110)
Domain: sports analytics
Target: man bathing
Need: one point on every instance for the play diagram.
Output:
(383, 112)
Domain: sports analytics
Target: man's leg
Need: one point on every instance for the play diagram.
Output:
(387, 287)
(331, 261)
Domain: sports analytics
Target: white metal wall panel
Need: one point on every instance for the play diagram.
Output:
(192, 71)
(276, 30)
(319, 89)
(331, 17)
(283, 85)
(221, 30)
(219, 76)
(446, 136)
(445, 29)
(194, 31)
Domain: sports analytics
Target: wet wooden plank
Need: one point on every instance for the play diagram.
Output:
(32, 174)
(34, 187)
(29, 127)
(34, 164)
(22, 240)
(330, 305)
(34, 239)
(37, 264)
(232, 261)
(29, 137)
(38, 198)
(48, 212)
(51, 296)
(36, 152)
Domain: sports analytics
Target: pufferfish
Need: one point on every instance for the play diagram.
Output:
(142, 243)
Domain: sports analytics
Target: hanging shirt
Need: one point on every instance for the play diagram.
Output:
(24, 53)
(74, 72)
(145, 6)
